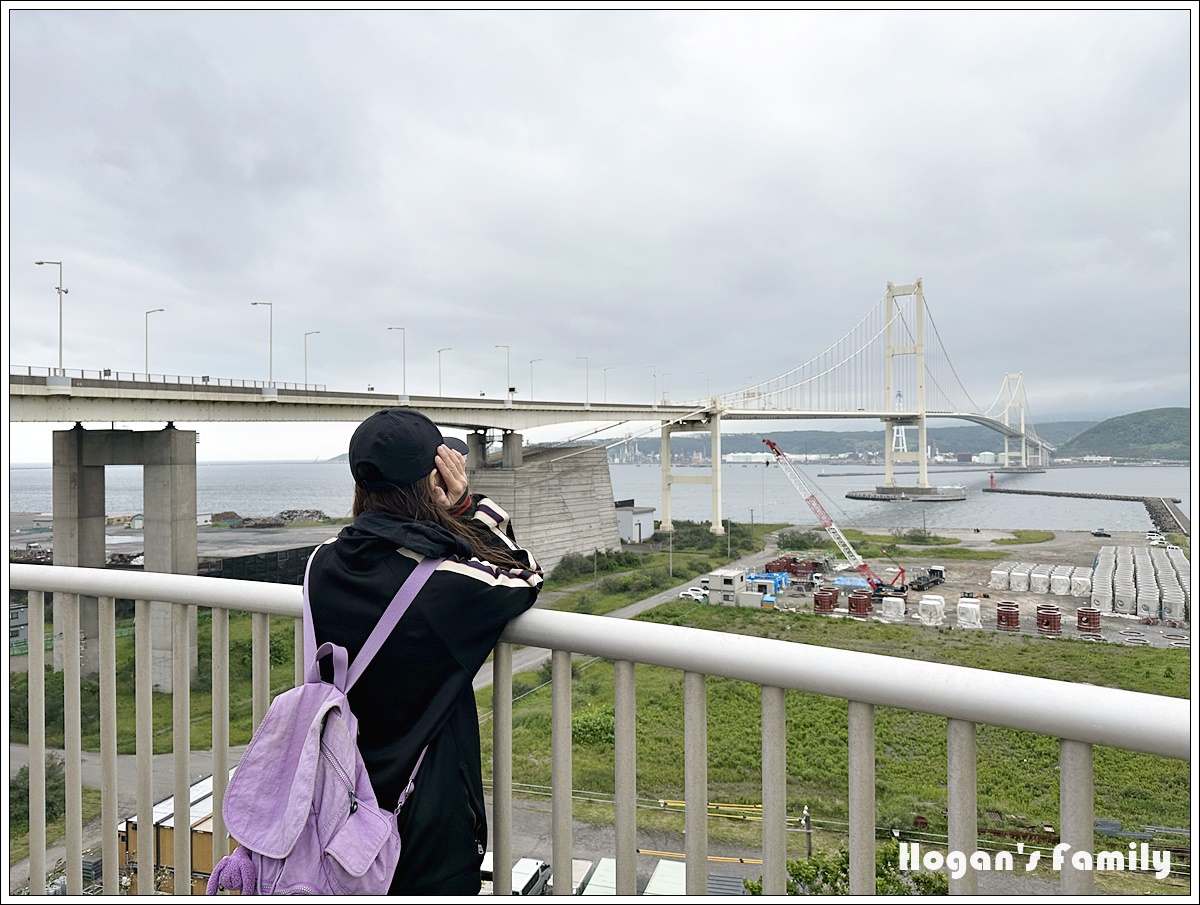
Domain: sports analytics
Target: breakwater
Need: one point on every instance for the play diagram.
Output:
(1163, 511)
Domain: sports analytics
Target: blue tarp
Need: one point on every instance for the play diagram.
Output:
(851, 581)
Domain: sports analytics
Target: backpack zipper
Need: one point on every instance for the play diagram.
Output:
(342, 775)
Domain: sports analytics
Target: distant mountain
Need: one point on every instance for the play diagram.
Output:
(344, 457)
(1154, 434)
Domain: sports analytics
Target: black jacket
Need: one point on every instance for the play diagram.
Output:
(417, 691)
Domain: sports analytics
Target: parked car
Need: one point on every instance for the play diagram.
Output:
(698, 594)
(1100, 532)
(529, 876)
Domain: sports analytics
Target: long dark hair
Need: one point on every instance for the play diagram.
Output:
(416, 501)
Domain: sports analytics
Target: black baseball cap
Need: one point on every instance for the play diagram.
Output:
(401, 444)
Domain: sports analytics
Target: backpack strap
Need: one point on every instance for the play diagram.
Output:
(344, 678)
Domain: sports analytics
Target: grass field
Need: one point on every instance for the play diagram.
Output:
(1017, 772)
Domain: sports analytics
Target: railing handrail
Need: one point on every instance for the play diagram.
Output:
(1134, 721)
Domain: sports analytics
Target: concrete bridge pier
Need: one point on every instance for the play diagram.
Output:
(168, 459)
(711, 423)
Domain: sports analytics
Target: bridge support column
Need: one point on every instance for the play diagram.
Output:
(476, 457)
(714, 429)
(713, 479)
(168, 458)
(511, 455)
(665, 455)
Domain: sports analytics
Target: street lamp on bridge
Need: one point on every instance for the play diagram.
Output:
(403, 360)
(654, 396)
(606, 370)
(508, 387)
(147, 362)
(61, 293)
(270, 341)
(440, 351)
(306, 336)
(586, 379)
(531, 361)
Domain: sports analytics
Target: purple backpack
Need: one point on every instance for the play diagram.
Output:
(300, 803)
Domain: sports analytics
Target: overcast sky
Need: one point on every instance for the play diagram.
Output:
(691, 201)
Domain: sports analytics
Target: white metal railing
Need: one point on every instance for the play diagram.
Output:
(108, 374)
(1080, 716)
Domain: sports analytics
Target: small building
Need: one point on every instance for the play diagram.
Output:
(18, 621)
(136, 522)
(724, 585)
(200, 822)
(634, 523)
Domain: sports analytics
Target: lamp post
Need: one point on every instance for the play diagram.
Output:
(61, 293)
(306, 336)
(440, 351)
(587, 376)
(666, 374)
(531, 361)
(606, 370)
(148, 313)
(508, 387)
(270, 341)
(403, 359)
(654, 395)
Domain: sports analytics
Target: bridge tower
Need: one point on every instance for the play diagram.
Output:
(895, 448)
(1014, 416)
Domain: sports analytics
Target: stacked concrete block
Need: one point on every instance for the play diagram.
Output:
(1124, 586)
(1102, 579)
(1018, 576)
(1081, 582)
(999, 580)
(1060, 580)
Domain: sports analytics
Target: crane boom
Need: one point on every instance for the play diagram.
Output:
(824, 518)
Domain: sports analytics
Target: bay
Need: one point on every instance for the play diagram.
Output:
(751, 492)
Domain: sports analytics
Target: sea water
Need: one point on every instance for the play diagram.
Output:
(750, 492)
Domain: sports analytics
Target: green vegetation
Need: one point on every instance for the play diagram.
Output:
(1017, 771)
(629, 577)
(1155, 434)
(877, 546)
(829, 874)
(56, 806)
(1020, 536)
(240, 706)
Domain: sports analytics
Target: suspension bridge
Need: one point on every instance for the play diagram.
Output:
(892, 365)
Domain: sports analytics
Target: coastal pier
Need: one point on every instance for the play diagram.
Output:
(1164, 512)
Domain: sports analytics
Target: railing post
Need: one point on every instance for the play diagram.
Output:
(108, 743)
(1076, 814)
(774, 791)
(862, 799)
(144, 718)
(625, 776)
(695, 783)
(502, 769)
(73, 743)
(181, 735)
(298, 652)
(561, 779)
(260, 666)
(220, 728)
(37, 743)
(963, 816)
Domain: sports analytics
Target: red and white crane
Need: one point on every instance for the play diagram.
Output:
(827, 522)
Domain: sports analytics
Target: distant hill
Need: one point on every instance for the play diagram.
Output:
(971, 438)
(1154, 434)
